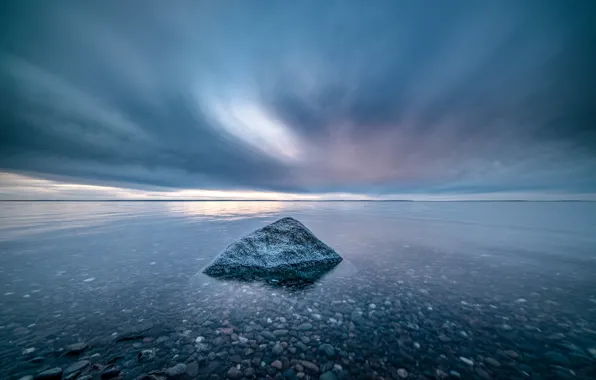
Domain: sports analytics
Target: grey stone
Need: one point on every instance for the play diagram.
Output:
(78, 366)
(305, 326)
(277, 349)
(327, 349)
(192, 369)
(76, 348)
(50, 374)
(277, 365)
(309, 366)
(234, 373)
(176, 371)
(285, 248)
(328, 376)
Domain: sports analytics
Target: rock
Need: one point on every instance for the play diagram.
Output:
(76, 367)
(285, 248)
(557, 358)
(492, 362)
(328, 376)
(76, 348)
(28, 377)
(466, 360)
(277, 365)
(305, 327)
(267, 335)
(249, 372)
(289, 374)
(192, 369)
(309, 366)
(277, 349)
(280, 332)
(482, 373)
(234, 373)
(145, 355)
(176, 371)
(512, 354)
(50, 374)
(37, 360)
(402, 373)
(110, 373)
(327, 349)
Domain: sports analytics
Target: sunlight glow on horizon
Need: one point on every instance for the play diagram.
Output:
(23, 187)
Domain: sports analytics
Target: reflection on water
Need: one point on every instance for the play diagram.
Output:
(227, 210)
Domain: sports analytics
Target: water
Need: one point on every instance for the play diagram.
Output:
(476, 290)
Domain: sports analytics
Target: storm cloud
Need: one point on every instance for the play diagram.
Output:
(458, 97)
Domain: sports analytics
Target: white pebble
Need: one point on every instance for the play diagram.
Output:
(466, 360)
(89, 279)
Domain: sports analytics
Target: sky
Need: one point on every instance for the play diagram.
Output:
(297, 100)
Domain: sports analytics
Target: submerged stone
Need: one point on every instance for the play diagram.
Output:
(285, 249)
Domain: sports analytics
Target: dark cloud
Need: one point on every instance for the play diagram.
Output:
(333, 96)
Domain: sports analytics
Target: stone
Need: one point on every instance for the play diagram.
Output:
(328, 376)
(76, 348)
(284, 249)
(249, 372)
(402, 373)
(110, 373)
(176, 371)
(466, 360)
(327, 349)
(192, 369)
(557, 358)
(277, 365)
(50, 374)
(76, 367)
(145, 355)
(492, 362)
(277, 349)
(28, 377)
(234, 373)
(305, 327)
(309, 366)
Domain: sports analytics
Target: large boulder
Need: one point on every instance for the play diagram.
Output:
(285, 249)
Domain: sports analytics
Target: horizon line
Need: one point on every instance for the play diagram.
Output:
(295, 200)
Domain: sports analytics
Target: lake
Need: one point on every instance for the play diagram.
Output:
(487, 290)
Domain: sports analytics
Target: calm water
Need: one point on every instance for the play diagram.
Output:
(426, 290)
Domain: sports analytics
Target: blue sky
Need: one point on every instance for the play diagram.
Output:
(458, 99)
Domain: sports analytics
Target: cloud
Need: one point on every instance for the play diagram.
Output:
(302, 98)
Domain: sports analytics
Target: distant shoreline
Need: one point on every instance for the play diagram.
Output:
(295, 200)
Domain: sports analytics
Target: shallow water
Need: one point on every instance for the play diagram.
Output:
(428, 290)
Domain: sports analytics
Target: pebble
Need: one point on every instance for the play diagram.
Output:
(309, 366)
(50, 374)
(110, 373)
(177, 370)
(76, 348)
(305, 327)
(402, 373)
(492, 362)
(28, 351)
(277, 364)
(28, 377)
(466, 360)
(328, 376)
(249, 372)
(327, 349)
(482, 373)
(78, 366)
(192, 369)
(277, 349)
(234, 373)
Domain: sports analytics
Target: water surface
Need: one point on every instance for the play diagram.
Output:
(428, 290)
